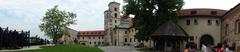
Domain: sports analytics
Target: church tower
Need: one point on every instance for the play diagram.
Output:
(111, 21)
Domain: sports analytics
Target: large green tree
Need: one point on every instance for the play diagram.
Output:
(149, 14)
(55, 21)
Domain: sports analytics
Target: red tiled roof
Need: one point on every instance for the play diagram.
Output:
(201, 12)
(92, 33)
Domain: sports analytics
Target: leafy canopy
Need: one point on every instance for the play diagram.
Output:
(55, 21)
(149, 14)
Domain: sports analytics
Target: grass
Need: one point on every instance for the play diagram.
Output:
(66, 48)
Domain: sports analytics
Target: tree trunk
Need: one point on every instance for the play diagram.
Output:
(55, 41)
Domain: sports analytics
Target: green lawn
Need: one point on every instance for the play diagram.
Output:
(66, 48)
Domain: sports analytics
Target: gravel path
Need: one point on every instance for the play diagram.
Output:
(118, 49)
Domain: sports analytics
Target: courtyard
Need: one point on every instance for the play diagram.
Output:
(118, 49)
(65, 48)
(119, 26)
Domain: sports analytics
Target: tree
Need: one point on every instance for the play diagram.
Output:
(149, 14)
(55, 21)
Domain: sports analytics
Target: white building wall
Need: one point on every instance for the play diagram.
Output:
(202, 28)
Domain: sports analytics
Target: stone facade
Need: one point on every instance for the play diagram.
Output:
(203, 25)
(119, 29)
(231, 26)
(200, 23)
(69, 39)
(111, 20)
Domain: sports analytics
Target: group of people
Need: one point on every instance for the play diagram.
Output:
(192, 47)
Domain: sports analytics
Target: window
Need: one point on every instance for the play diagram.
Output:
(193, 12)
(110, 20)
(95, 43)
(237, 26)
(115, 9)
(130, 39)
(93, 37)
(99, 43)
(217, 23)
(209, 22)
(99, 37)
(89, 37)
(115, 21)
(195, 22)
(188, 22)
(125, 40)
(213, 12)
(82, 37)
(89, 42)
(125, 32)
(102, 37)
(115, 15)
(226, 29)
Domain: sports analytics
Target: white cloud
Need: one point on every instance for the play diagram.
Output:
(26, 14)
(217, 4)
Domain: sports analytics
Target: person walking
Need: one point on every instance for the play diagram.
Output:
(204, 48)
(219, 48)
(226, 49)
(193, 47)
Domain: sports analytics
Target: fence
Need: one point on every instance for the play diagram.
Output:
(12, 39)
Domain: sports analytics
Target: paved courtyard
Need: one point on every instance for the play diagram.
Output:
(118, 49)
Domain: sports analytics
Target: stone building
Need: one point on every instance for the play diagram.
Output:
(119, 30)
(231, 26)
(91, 38)
(70, 37)
(202, 24)
(111, 20)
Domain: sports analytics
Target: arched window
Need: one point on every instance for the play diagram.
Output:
(237, 24)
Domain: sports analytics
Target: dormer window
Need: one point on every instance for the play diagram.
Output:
(214, 12)
(193, 12)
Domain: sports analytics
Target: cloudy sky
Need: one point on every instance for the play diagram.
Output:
(27, 14)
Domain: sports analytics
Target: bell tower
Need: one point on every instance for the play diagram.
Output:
(111, 21)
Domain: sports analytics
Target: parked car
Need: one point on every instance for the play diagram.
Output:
(139, 45)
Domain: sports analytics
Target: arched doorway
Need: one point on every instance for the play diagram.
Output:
(206, 39)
